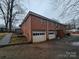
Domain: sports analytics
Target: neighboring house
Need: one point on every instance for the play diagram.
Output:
(2, 28)
(73, 32)
(18, 31)
(38, 28)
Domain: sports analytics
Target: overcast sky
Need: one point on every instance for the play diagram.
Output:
(48, 8)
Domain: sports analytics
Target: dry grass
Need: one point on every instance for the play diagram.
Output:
(2, 35)
(18, 39)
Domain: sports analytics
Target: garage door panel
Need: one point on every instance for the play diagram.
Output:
(52, 34)
(39, 36)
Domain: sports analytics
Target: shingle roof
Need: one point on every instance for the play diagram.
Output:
(40, 16)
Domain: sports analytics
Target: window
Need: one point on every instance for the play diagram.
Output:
(51, 33)
(42, 33)
(38, 33)
(34, 33)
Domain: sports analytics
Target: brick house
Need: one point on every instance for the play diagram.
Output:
(37, 28)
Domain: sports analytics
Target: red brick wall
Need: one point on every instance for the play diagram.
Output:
(51, 26)
(60, 27)
(38, 23)
(60, 33)
(26, 28)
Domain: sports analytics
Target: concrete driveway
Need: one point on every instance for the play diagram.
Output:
(6, 39)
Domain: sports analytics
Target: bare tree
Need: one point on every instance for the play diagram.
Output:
(71, 9)
(9, 9)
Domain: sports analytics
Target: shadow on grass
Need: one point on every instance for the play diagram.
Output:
(72, 38)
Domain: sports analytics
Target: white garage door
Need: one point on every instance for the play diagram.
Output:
(52, 34)
(39, 36)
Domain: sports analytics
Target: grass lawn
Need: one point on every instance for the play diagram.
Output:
(2, 35)
(72, 38)
(18, 39)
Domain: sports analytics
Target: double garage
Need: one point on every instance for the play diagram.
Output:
(39, 36)
(38, 28)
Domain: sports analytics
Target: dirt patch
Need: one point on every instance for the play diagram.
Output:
(47, 50)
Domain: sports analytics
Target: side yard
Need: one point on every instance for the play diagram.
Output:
(2, 35)
(54, 49)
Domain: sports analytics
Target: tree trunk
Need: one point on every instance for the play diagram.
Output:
(10, 26)
(6, 26)
(10, 19)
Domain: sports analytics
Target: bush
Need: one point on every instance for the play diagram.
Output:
(68, 34)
